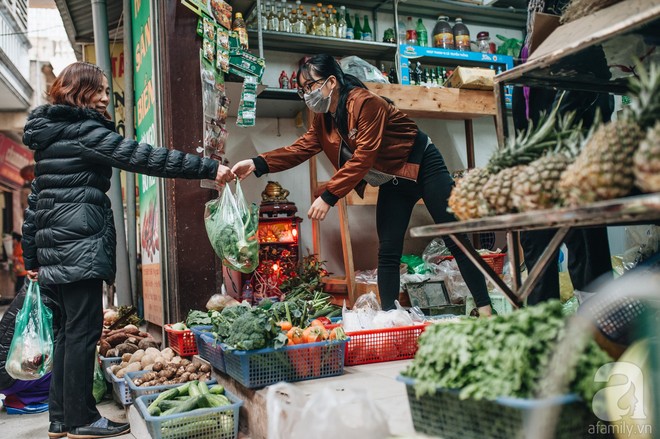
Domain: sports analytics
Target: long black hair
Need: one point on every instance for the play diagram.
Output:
(324, 66)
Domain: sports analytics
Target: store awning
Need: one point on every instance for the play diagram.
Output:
(78, 22)
(13, 158)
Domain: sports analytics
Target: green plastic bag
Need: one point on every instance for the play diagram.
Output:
(100, 386)
(415, 264)
(30, 354)
(231, 225)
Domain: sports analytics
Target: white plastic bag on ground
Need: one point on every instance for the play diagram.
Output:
(336, 413)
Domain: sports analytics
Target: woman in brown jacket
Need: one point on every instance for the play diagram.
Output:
(369, 141)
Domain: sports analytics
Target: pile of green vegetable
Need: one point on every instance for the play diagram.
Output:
(501, 356)
(246, 328)
(187, 398)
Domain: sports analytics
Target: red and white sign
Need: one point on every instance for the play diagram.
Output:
(13, 158)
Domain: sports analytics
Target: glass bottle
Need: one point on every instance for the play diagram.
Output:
(341, 22)
(422, 35)
(350, 34)
(293, 19)
(264, 15)
(443, 35)
(333, 29)
(239, 27)
(320, 24)
(310, 23)
(461, 36)
(367, 35)
(411, 33)
(357, 29)
(392, 76)
(285, 20)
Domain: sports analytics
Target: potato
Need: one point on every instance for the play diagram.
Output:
(160, 359)
(176, 360)
(127, 357)
(148, 342)
(121, 373)
(147, 360)
(104, 347)
(131, 329)
(137, 356)
(115, 368)
(167, 353)
(123, 364)
(152, 351)
(133, 367)
(126, 348)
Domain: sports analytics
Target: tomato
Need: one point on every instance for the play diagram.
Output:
(316, 322)
(284, 325)
(313, 334)
(326, 321)
(295, 334)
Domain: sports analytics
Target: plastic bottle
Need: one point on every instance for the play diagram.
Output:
(239, 27)
(443, 35)
(357, 29)
(284, 80)
(293, 81)
(367, 35)
(350, 35)
(461, 36)
(411, 33)
(247, 293)
(483, 42)
(392, 76)
(422, 34)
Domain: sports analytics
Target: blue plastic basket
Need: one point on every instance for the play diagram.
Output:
(209, 348)
(136, 391)
(262, 367)
(444, 414)
(206, 423)
(106, 362)
(120, 391)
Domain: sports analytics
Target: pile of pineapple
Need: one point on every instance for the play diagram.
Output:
(557, 164)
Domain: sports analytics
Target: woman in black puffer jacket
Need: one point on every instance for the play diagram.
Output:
(69, 233)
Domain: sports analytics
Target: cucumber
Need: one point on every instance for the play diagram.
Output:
(191, 404)
(217, 400)
(217, 389)
(168, 404)
(193, 429)
(183, 390)
(168, 394)
(203, 388)
(193, 390)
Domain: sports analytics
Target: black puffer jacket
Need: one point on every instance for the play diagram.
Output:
(69, 232)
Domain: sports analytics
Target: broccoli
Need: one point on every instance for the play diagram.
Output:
(223, 320)
(254, 330)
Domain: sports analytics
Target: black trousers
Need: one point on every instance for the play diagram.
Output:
(588, 259)
(71, 399)
(396, 200)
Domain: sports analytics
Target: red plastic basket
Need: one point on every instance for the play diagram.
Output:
(181, 341)
(495, 260)
(378, 345)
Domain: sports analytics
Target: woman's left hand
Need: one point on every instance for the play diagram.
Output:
(319, 209)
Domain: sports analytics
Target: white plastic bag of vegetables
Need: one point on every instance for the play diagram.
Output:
(30, 355)
(231, 225)
(346, 413)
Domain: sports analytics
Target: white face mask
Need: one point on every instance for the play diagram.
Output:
(316, 101)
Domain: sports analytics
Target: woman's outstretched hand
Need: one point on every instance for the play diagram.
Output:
(243, 168)
(319, 209)
(33, 275)
(223, 176)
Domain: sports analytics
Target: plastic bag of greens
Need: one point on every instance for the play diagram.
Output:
(231, 226)
(31, 352)
(99, 387)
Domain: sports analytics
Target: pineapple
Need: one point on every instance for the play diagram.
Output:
(647, 161)
(467, 198)
(535, 186)
(464, 198)
(604, 168)
(497, 192)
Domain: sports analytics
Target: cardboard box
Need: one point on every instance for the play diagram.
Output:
(472, 78)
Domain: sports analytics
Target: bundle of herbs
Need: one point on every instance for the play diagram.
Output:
(306, 284)
(504, 356)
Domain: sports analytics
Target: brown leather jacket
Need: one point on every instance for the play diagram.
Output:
(379, 135)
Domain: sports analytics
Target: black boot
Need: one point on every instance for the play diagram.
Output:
(99, 429)
(57, 429)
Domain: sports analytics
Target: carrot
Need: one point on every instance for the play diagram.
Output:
(284, 325)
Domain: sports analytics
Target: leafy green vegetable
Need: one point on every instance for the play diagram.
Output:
(197, 318)
(222, 320)
(501, 356)
(255, 329)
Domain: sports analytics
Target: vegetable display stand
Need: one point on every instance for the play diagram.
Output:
(106, 362)
(181, 341)
(378, 345)
(137, 391)
(210, 349)
(262, 367)
(206, 423)
(120, 391)
(446, 415)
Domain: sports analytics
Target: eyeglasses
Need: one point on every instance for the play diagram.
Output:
(307, 88)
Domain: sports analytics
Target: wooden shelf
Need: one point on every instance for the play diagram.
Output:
(565, 59)
(438, 103)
